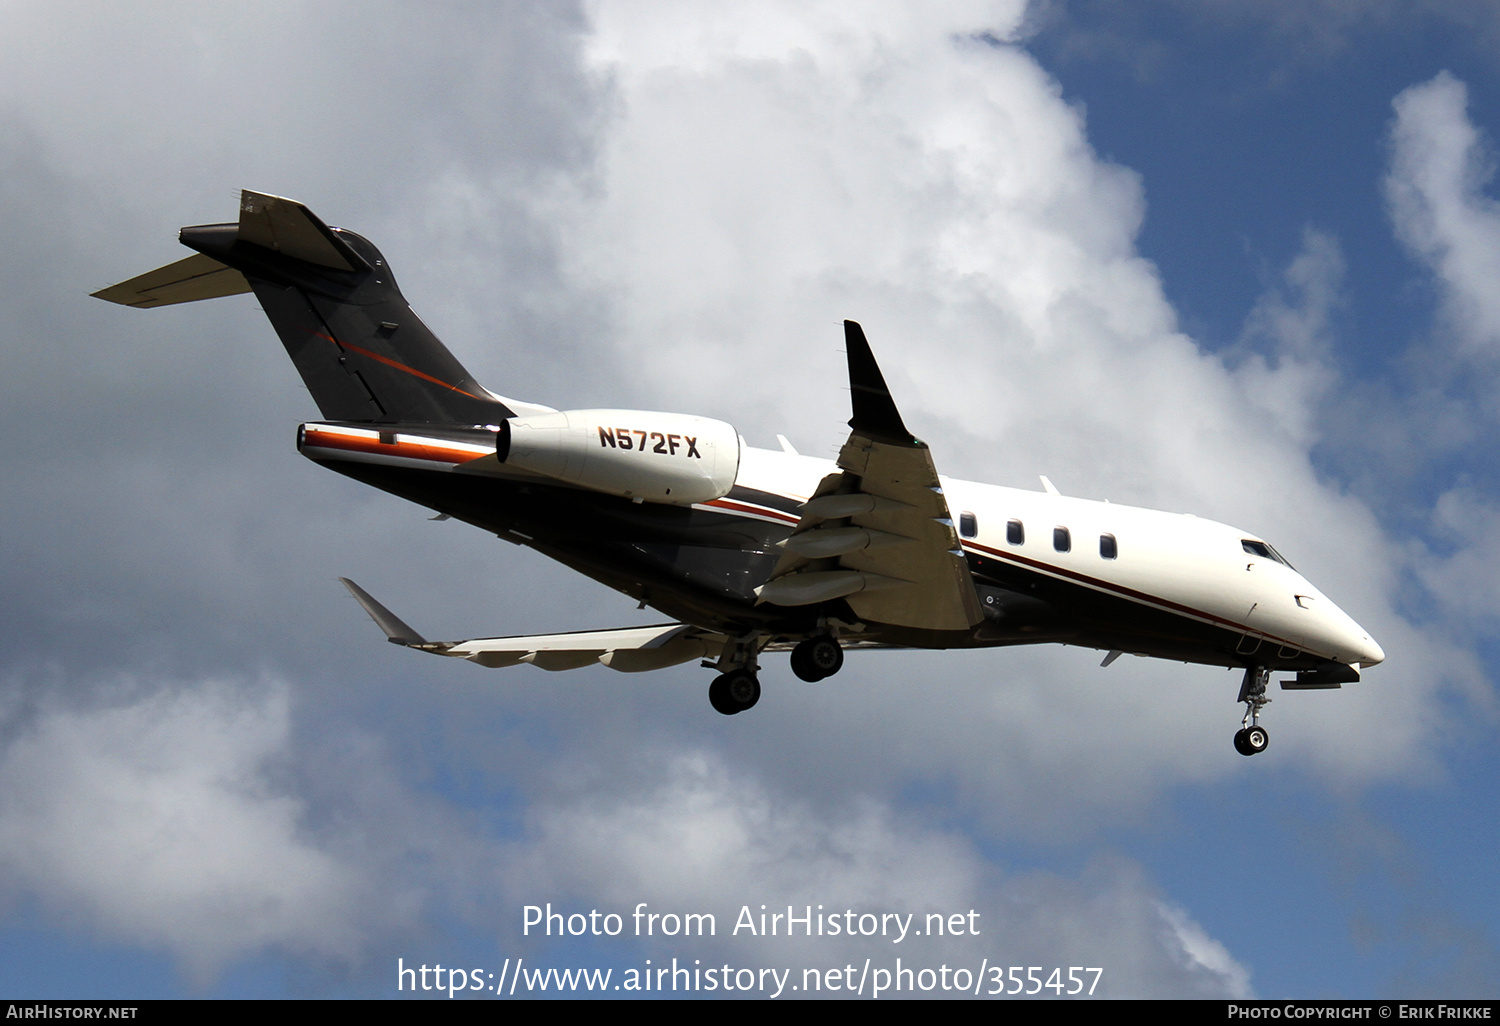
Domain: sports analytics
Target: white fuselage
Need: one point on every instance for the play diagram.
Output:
(1173, 562)
(1170, 563)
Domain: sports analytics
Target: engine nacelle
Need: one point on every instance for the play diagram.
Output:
(653, 457)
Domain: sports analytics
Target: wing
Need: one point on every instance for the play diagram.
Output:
(879, 533)
(629, 649)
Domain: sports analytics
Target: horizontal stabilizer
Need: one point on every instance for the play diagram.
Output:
(272, 222)
(186, 281)
(289, 228)
(362, 352)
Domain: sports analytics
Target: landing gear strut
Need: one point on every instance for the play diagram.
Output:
(817, 658)
(737, 688)
(1252, 738)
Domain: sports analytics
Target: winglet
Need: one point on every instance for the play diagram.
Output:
(396, 630)
(875, 414)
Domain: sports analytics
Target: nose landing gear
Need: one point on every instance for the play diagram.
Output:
(1252, 739)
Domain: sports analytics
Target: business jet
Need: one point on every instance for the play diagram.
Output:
(749, 551)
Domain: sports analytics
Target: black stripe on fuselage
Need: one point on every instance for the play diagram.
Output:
(1100, 614)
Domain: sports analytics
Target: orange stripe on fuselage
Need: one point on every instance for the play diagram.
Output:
(434, 452)
(394, 363)
(763, 511)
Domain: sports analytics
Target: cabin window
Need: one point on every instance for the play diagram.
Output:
(968, 525)
(1107, 547)
(1015, 532)
(1062, 541)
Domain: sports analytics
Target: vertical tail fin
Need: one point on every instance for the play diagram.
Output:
(362, 352)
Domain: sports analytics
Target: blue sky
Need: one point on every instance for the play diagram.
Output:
(1226, 258)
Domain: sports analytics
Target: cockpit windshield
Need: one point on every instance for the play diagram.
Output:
(1260, 548)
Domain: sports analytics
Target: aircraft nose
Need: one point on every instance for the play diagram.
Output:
(1349, 642)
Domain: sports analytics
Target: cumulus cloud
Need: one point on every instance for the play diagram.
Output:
(191, 819)
(1287, 343)
(225, 821)
(673, 208)
(705, 835)
(161, 821)
(755, 187)
(1440, 165)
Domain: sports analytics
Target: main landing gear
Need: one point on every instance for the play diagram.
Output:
(1252, 739)
(734, 692)
(738, 687)
(816, 658)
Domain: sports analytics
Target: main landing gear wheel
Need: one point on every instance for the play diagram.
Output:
(734, 692)
(816, 658)
(1251, 740)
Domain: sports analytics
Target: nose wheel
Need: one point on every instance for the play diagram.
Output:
(1252, 739)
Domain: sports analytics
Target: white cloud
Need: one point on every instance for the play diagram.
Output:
(189, 819)
(1202, 951)
(705, 835)
(1440, 164)
(160, 820)
(754, 187)
(761, 173)
(1289, 335)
